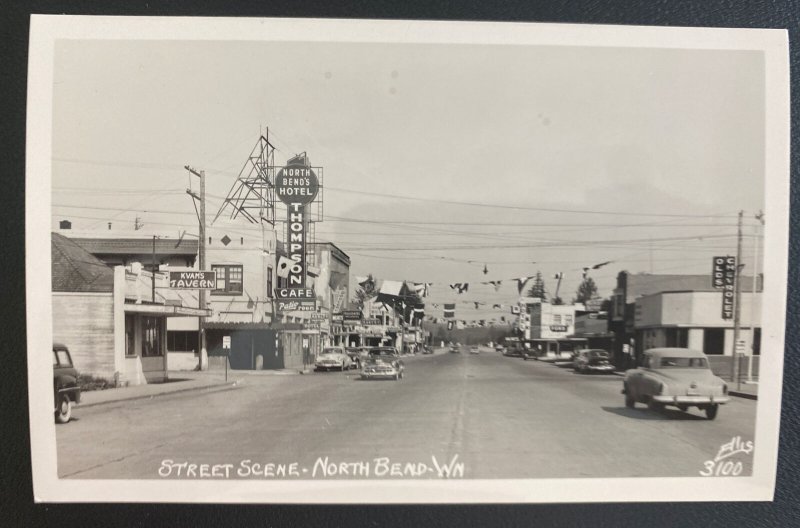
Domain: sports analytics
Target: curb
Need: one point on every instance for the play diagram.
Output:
(745, 395)
(217, 386)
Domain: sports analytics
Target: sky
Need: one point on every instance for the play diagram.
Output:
(439, 161)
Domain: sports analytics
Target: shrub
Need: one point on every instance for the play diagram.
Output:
(87, 382)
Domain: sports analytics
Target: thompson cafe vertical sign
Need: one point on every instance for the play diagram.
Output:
(296, 185)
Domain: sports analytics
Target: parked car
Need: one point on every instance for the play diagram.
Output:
(427, 349)
(528, 353)
(333, 358)
(512, 351)
(678, 377)
(66, 390)
(500, 348)
(592, 360)
(383, 362)
(455, 348)
(474, 349)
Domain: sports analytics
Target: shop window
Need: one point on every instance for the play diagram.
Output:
(229, 279)
(757, 342)
(182, 341)
(714, 341)
(151, 337)
(556, 319)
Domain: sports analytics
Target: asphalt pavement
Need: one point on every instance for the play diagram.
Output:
(453, 415)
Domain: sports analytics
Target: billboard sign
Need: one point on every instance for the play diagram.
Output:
(351, 315)
(192, 280)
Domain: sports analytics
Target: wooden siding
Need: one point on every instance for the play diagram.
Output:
(85, 324)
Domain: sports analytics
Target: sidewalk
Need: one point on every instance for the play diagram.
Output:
(179, 381)
(748, 391)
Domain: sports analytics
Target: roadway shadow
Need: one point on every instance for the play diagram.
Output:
(644, 413)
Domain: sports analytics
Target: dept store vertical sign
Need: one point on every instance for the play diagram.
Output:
(723, 277)
(296, 185)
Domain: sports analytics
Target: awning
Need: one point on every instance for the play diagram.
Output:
(393, 288)
(166, 310)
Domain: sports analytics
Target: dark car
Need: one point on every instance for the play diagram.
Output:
(592, 360)
(65, 384)
(383, 362)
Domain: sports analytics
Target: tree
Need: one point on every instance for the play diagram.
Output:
(586, 290)
(557, 300)
(537, 290)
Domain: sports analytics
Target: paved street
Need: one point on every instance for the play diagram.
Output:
(500, 417)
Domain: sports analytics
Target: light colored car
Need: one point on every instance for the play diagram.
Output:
(474, 349)
(383, 362)
(679, 377)
(333, 359)
(592, 360)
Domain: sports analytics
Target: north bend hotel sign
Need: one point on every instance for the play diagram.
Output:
(296, 185)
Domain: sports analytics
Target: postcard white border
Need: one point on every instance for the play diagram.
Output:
(46, 29)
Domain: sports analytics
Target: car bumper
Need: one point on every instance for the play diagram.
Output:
(380, 374)
(691, 400)
(602, 368)
(328, 366)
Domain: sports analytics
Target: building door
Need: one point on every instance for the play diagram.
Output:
(714, 341)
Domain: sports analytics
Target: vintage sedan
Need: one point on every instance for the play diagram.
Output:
(474, 349)
(592, 360)
(678, 377)
(65, 383)
(383, 362)
(333, 359)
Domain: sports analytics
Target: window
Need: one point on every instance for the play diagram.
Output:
(556, 319)
(229, 279)
(270, 293)
(567, 319)
(182, 341)
(283, 282)
(63, 358)
(151, 337)
(714, 341)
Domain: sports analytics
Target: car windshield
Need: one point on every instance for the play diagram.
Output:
(63, 358)
(683, 362)
(598, 353)
(332, 351)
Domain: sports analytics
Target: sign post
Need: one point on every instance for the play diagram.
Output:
(226, 346)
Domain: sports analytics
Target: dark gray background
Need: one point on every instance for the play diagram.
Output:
(16, 504)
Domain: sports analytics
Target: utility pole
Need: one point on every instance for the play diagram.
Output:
(737, 304)
(201, 217)
(153, 273)
(760, 217)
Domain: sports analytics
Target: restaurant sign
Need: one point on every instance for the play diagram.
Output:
(296, 185)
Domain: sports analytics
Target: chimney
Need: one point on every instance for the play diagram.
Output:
(65, 224)
(109, 226)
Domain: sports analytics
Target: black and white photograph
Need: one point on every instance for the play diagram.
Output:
(340, 261)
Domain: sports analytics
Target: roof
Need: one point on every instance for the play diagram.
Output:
(674, 352)
(640, 284)
(139, 246)
(393, 288)
(73, 269)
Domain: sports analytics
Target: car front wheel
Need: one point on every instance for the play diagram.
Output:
(711, 411)
(64, 409)
(630, 402)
